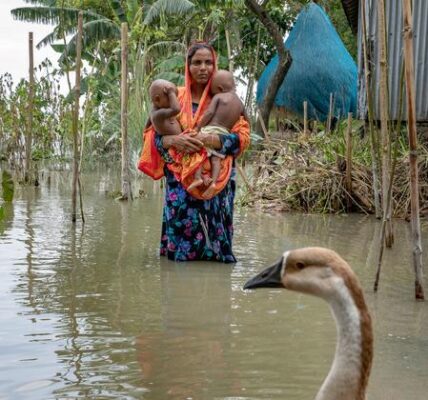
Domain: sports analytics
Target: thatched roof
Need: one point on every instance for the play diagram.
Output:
(351, 10)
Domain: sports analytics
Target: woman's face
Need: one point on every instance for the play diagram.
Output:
(201, 66)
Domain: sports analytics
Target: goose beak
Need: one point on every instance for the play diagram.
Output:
(269, 277)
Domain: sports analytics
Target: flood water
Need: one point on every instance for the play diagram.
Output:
(95, 313)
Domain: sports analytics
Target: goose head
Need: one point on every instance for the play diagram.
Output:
(311, 270)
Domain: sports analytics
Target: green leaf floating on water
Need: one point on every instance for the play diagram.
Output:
(7, 186)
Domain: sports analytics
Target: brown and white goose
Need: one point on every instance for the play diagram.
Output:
(323, 273)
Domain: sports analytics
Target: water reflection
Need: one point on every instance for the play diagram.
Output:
(188, 357)
(94, 312)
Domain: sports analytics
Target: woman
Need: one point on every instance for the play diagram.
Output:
(192, 228)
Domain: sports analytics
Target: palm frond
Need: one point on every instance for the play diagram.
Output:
(59, 48)
(93, 32)
(165, 47)
(48, 39)
(52, 15)
(160, 7)
(57, 34)
(118, 10)
(134, 10)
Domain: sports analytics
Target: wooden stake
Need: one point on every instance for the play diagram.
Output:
(305, 118)
(391, 180)
(126, 179)
(413, 146)
(29, 136)
(384, 122)
(75, 121)
(349, 161)
(374, 143)
(262, 124)
(315, 127)
(330, 115)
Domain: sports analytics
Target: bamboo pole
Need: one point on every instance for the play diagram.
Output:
(126, 179)
(374, 143)
(393, 168)
(330, 115)
(75, 122)
(349, 161)
(413, 145)
(305, 118)
(29, 136)
(384, 122)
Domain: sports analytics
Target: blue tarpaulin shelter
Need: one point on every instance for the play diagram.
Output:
(321, 65)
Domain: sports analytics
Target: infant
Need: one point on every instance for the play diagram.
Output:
(165, 107)
(219, 118)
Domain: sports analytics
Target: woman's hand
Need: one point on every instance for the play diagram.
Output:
(208, 140)
(184, 143)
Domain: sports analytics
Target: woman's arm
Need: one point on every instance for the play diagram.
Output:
(183, 143)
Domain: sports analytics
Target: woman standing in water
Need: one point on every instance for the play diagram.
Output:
(193, 228)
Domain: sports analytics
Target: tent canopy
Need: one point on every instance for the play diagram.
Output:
(321, 65)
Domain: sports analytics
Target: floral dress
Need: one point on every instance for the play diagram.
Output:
(195, 229)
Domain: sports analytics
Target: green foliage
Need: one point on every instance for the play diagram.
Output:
(159, 32)
(50, 115)
(7, 185)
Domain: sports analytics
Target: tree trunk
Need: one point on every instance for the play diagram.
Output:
(29, 136)
(384, 123)
(76, 119)
(284, 62)
(413, 145)
(126, 180)
(229, 49)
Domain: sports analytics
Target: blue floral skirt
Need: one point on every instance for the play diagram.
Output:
(195, 229)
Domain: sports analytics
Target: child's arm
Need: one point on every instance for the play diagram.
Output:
(208, 114)
(174, 106)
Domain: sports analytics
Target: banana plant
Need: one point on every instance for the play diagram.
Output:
(97, 27)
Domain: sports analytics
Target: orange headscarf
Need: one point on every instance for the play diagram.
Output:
(184, 166)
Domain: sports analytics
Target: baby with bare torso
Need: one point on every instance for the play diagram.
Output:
(221, 115)
(166, 107)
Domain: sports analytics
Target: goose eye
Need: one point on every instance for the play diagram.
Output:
(300, 265)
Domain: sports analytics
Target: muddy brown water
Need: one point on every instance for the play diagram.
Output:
(95, 313)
